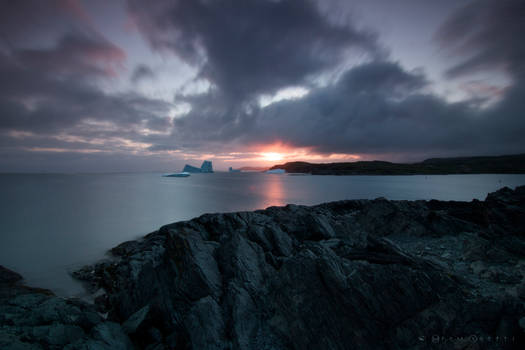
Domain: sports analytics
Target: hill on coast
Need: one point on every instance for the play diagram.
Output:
(507, 164)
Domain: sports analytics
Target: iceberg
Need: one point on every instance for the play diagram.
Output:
(206, 167)
(183, 174)
(191, 169)
(275, 171)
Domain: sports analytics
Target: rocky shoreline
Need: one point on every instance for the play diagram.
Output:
(507, 164)
(363, 274)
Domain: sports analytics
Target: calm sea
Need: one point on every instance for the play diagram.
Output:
(52, 224)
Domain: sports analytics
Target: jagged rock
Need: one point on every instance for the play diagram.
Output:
(521, 289)
(478, 267)
(374, 274)
(364, 274)
(133, 323)
(112, 336)
(8, 277)
(32, 318)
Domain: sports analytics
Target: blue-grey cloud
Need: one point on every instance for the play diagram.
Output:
(378, 107)
(487, 34)
(360, 115)
(252, 46)
(142, 72)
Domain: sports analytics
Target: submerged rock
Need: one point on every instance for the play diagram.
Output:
(364, 274)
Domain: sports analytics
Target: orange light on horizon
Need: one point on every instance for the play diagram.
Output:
(265, 155)
(272, 156)
(282, 152)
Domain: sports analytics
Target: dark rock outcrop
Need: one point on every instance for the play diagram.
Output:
(355, 274)
(350, 274)
(33, 318)
(8, 277)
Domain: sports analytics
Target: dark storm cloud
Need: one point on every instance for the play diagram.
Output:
(361, 116)
(50, 97)
(381, 109)
(489, 34)
(377, 109)
(75, 54)
(361, 94)
(141, 72)
(213, 118)
(56, 37)
(28, 22)
(36, 101)
(253, 46)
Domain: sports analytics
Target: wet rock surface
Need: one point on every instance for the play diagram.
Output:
(357, 274)
(33, 318)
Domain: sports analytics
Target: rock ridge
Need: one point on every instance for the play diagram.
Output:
(363, 274)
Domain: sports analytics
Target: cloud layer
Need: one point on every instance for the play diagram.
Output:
(377, 108)
(253, 46)
(58, 100)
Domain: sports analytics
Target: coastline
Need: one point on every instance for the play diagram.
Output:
(506, 164)
(374, 273)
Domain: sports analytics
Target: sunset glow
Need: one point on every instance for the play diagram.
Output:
(267, 155)
(272, 156)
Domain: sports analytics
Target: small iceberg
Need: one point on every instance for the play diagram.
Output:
(275, 171)
(206, 167)
(183, 174)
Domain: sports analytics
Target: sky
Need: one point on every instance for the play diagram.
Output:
(131, 85)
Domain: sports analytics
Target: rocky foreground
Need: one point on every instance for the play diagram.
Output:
(357, 274)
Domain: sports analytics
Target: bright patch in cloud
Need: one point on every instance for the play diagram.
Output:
(291, 93)
(180, 109)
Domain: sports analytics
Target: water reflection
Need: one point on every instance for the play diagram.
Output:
(54, 223)
(272, 191)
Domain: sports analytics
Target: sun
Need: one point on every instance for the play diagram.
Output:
(272, 156)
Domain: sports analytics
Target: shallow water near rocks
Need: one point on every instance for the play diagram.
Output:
(55, 223)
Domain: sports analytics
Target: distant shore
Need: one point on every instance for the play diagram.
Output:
(507, 164)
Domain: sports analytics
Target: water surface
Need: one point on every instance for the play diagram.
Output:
(52, 224)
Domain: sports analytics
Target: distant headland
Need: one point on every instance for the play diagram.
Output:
(507, 164)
